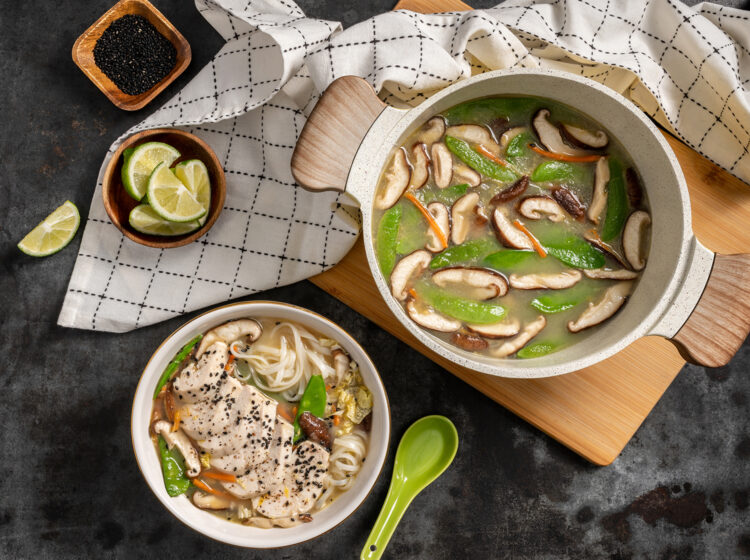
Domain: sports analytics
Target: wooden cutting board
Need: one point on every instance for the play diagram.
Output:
(597, 410)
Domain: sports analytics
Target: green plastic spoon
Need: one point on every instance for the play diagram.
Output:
(426, 450)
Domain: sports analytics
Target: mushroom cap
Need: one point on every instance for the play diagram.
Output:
(546, 281)
(569, 201)
(538, 207)
(599, 199)
(461, 214)
(478, 283)
(466, 174)
(468, 341)
(585, 138)
(513, 345)
(396, 180)
(204, 500)
(247, 329)
(549, 135)
(432, 131)
(442, 165)
(428, 318)
(610, 274)
(614, 297)
(503, 329)
(420, 166)
(593, 238)
(443, 220)
(179, 440)
(508, 234)
(406, 269)
(511, 192)
(475, 134)
(633, 238)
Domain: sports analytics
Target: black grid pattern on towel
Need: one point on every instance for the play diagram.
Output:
(249, 103)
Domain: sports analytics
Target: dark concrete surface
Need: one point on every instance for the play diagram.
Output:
(70, 487)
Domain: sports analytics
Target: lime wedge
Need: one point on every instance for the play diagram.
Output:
(140, 162)
(54, 233)
(143, 218)
(171, 199)
(194, 175)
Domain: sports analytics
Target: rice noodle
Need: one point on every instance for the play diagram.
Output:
(344, 464)
(283, 359)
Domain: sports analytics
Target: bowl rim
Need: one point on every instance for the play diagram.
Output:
(141, 387)
(108, 191)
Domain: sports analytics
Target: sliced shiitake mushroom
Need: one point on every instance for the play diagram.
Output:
(610, 274)
(597, 313)
(508, 234)
(420, 166)
(204, 500)
(592, 237)
(406, 269)
(568, 200)
(550, 137)
(443, 220)
(476, 283)
(511, 192)
(396, 180)
(503, 329)
(513, 345)
(545, 281)
(465, 174)
(509, 135)
(480, 215)
(633, 238)
(179, 440)
(461, 216)
(538, 207)
(634, 189)
(599, 200)
(428, 318)
(432, 131)
(585, 138)
(442, 165)
(474, 134)
(468, 341)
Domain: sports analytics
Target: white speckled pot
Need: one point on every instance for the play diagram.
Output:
(351, 136)
(212, 525)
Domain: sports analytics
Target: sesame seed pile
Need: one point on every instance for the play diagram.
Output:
(134, 55)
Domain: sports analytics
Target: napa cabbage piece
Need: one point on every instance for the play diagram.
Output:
(354, 398)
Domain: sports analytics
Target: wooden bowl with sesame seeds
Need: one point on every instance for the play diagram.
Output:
(83, 52)
(118, 203)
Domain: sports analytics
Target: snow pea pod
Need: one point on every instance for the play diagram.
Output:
(617, 202)
(508, 259)
(519, 145)
(387, 239)
(447, 196)
(465, 253)
(411, 230)
(570, 249)
(477, 312)
(557, 302)
(481, 111)
(463, 151)
(553, 171)
(536, 350)
(174, 364)
(173, 469)
(313, 401)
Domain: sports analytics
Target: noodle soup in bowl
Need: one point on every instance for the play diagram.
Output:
(267, 431)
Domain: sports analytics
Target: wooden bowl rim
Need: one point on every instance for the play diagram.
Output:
(118, 98)
(153, 240)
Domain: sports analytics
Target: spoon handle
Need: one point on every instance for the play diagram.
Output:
(393, 510)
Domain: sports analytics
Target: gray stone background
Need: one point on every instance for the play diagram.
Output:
(70, 487)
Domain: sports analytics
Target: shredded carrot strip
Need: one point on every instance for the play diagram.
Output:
(413, 293)
(430, 219)
(563, 157)
(336, 420)
(220, 476)
(284, 414)
(489, 155)
(176, 422)
(206, 488)
(537, 246)
(229, 362)
(294, 410)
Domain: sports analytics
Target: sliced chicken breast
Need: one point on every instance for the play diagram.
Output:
(212, 415)
(197, 382)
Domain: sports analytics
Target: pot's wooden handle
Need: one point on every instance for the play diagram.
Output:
(720, 322)
(330, 139)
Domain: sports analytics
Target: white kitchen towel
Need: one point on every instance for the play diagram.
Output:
(689, 68)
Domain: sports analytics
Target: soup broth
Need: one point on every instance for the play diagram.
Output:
(511, 226)
(262, 422)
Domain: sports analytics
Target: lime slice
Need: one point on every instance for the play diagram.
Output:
(194, 175)
(171, 199)
(139, 163)
(54, 233)
(143, 218)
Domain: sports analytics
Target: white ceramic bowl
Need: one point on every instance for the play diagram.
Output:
(235, 533)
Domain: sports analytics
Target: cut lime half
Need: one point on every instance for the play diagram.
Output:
(143, 219)
(171, 199)
(194, 175)
(138, 165)
(54, 233)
